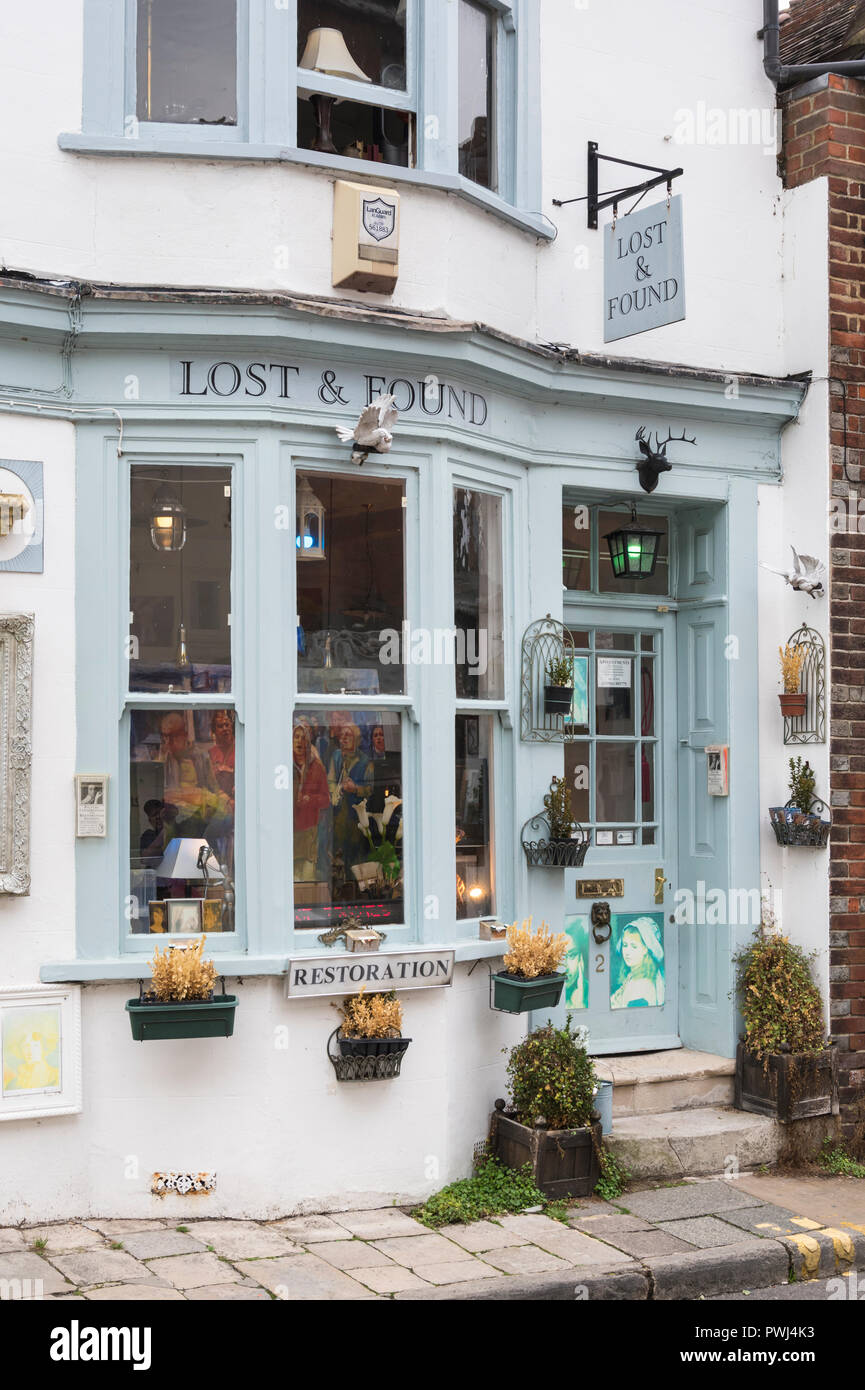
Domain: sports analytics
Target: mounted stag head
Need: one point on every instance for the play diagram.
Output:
(655, 461)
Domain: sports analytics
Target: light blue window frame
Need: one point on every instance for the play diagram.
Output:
(269, 78)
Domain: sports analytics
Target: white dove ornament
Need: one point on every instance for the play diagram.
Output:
(807, 577)
(373, 432)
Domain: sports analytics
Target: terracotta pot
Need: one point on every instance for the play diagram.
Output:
(793, 706)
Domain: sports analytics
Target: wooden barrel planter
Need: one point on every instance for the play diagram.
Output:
(565, 1162)
(787, 1085)
(512, 995)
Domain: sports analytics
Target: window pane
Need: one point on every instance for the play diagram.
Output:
(181, 802)
(478, 589)
(647, 781)
(360, 132)
(350, 586)
(187, 61)
(180, 579)
(577, 777)
(348, 817)
(614, 783)
(657, 583)
(474, 820)
(614, 695)
(647, 697)
(576, 545)
(368, 36)
(477, 94)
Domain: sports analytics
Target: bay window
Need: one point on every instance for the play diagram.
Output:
(186, 61)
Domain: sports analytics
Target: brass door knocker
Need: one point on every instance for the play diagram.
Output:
(601, 925)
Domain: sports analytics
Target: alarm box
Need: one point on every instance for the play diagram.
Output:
(365, 237)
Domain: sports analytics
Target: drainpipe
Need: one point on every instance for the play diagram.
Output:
(782, 75)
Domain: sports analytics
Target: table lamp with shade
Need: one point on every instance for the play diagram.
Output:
(327, 51)
(190, 859)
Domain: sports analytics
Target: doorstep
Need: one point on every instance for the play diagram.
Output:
(692, 1143)
(658, 1082)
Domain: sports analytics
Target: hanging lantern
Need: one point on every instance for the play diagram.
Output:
(309, 523)
(633, 550)
(167, 520)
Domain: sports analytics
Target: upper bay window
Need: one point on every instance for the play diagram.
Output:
(422, 86)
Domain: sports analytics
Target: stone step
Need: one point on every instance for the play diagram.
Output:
(694, 1143)
(647, 1083)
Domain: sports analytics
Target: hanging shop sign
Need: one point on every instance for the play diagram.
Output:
(322, 975)
(644, 271)
(307, 384)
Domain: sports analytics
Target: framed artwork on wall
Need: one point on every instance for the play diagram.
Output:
(22, 516)
(16, 696)
(40, 1052)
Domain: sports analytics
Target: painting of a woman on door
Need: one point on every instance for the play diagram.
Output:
(637, 961)
(577, 963)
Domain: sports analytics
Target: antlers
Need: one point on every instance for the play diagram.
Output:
(660, 449)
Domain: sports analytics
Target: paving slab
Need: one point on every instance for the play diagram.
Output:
(458, 1272)
(691, 1199)
(309, 1230)
(148, 1245)
(524, 1259)
(381, 1224)
(118, 1227)
(568, 1244)
(351, 1254)
(478, 1236)
(243, 1240)
(103, 1266)
(133, 1293)
(706, 1232)
(390, 1279)
(25, 1265)
(831, 1201)
(192, 1271)
(642, 1244)
(229, 1293)
(12, 1239)
(62, 1238)
(414, 1251)
(770, 1221)
(600, 1225)
(752, 1264)
(304, 1278)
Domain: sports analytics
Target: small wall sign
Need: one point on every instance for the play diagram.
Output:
(91, 805)
(718, 769)
(323, 975)
(644, 271)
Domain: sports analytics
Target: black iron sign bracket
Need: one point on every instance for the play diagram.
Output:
(597, 201)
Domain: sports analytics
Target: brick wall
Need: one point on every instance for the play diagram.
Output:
(824, 136)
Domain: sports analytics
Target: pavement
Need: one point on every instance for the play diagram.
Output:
(700, 1238)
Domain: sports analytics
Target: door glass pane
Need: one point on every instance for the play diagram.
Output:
(647, 781)
(614, 641)
(647, 642)
(657, 583)
(475, 887)
(578, 778)
(364, 42)
(187, 61)
(477, 94)
(614, 695)
(614, 783)
(180, 590)
(349, 539)
(348, 817)
(647, 697)
(182, 815)
(478, 595)
(576, 547)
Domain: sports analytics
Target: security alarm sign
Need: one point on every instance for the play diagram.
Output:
(644, 271)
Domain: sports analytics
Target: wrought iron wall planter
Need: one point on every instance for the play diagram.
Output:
(544, 852)
(795, 827)
(809, 727)
(182, 1018)
(366, 1065)
(545, 719)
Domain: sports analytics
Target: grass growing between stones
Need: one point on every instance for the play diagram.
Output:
(834, 1158)
(492, 1191)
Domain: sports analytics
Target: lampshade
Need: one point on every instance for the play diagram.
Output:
(326, 51)
(180, 860)
(167, 521)
(633, 550)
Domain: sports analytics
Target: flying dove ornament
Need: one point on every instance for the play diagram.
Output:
(373, 432)
(808, 575)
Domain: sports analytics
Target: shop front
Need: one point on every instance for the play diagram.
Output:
(302, 686)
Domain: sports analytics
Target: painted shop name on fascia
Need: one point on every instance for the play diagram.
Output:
(308, 385)
(395, 970)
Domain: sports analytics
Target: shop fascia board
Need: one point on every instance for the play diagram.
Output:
(243, 967)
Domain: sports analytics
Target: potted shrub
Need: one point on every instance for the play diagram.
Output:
(793, 702)
(798, 823)
(784, 1065)
(551, 1121)
(371, 1025)
(180, 1002)
(531, 978)
(559, 687)
(562, 849)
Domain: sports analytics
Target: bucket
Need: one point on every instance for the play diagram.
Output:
(604, 1105)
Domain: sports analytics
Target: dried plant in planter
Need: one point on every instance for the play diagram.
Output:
(180, 973)
(557, 804)
(531, 954)
(792, 661)
(803, 785)
(371, 1015)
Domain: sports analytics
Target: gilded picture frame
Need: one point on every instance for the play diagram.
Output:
(16, 701)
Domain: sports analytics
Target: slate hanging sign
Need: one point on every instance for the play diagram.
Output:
(644, 271)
